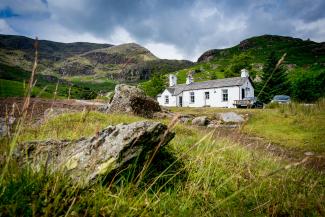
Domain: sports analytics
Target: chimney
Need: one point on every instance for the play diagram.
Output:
(172, 80)
(189, 79)
(244, 73)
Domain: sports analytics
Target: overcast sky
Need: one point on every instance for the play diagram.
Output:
(173, 29)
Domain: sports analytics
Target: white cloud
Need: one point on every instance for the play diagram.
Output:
(5, 28)
(120, 36)
(313, 30)
(164, 51)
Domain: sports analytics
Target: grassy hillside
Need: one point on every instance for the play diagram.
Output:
(10, 88)
(300, 55)
(127, 62)
(13, 79)
(49, 50)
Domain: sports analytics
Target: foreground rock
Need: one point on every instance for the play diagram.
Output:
(130, 99)
(230, 117)
(87, 159)
(200, 121)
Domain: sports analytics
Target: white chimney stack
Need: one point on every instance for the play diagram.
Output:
(244, 73)
(172, 80)
(189, 79)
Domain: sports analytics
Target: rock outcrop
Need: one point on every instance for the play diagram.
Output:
(87, 159)
(130, 99)
(230, 117)
(200, 121)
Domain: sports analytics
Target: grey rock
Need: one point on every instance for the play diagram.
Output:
(200, 121)
(163, 114)
(5, 125)
(212, 125)
(229, 126)
(185, 118)
(130, 99)
(230, 117)
(87, 159)
(309, 153)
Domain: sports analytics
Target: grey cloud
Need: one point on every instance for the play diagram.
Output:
(191, 26)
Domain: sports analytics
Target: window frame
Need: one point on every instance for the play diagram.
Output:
(207, 95)
(224, 96)
(167, 99)
(192, 97)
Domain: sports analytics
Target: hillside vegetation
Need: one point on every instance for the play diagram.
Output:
(89, 69)
(16, 78)
(304, 64)
(126, 62)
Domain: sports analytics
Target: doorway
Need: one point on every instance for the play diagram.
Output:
(180, 101)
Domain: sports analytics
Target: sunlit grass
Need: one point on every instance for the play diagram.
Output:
(295, 126)
(213, 177)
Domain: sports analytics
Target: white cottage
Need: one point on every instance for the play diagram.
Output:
(213, 93)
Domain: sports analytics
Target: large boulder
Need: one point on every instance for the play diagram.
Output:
(230, 117)
(87, 159)
(130, 99)
(200, 121)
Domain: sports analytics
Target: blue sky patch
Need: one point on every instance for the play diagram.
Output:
(7, 12)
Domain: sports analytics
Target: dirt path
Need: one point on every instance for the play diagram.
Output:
(314, 160)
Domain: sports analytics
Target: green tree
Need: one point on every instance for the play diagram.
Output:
(308, 85)
(274, 80)
(237, 63)
(154, 86)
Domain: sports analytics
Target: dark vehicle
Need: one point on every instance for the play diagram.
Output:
(281, 99)
(248, 102)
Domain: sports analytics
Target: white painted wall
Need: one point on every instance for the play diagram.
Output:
(250, 92)
(215, 99)
(172, 99)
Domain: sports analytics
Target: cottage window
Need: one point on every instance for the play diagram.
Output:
(192, 97)
(207, 95)
(166, 99)
(225, 95)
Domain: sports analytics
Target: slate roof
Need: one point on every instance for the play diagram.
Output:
(226, 82)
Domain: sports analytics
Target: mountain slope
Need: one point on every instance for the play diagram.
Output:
(88, 68)
(216, 63)
(126, 63)
(298, 51)
(48, 50)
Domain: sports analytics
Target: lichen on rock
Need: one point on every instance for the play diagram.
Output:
(87, 159)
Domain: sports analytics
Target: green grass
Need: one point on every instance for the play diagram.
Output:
(213, 177)
(15, 88)
(293, 126)
(79, 89)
